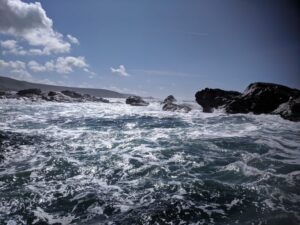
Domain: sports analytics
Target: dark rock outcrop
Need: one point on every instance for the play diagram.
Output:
(72, 94)
(56, 96)
(175, 107)
(258, 98)
(30, 92)
(261, 98)
(136, 101)
(169, 105)
(213, 98)
(289, 110)
(52, 93)
(35, 95)
(169, 99)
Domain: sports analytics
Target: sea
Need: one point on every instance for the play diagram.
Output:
(99, 163)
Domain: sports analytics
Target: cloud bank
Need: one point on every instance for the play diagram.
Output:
(17, 68)
(62, 65)
(32, 33)
(29, 22)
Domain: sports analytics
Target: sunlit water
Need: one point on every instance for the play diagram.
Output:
(97, 163)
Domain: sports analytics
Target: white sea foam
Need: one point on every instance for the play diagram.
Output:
(127, 158)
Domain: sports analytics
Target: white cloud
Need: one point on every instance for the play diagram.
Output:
(17, 68)
(121, 70)
(36, 51)
(72, 39)
(29, 22)
(66, 64)
(92, 74)
(9, 44)
(17, 65)
(21, 74)
(12, 47)
(63, 65)
(36, 67)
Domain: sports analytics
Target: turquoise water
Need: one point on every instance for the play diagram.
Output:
(97, 163)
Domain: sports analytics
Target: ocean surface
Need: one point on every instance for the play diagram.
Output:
(97, 163)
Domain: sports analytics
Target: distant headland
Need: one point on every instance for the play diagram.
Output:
(9, 84)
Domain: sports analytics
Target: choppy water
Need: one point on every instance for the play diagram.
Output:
(96, 163)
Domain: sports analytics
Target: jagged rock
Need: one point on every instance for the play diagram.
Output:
(257, 98)
(289, 110)
(174, 107)
(169, 99)
(2, 93)
(213, 98)
(261, 98)
(136, 101)
(72, 94)
(29, 92)
(56, 96)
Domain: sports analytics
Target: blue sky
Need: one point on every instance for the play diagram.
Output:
(151, 47)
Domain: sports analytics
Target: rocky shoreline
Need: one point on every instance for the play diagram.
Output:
(258, 98)
(52, 96)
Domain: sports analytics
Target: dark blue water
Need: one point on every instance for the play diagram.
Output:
(115, 164)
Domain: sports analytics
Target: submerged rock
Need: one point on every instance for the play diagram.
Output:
(213, 98)
(261, 98)
(136, 101)
(30, 92)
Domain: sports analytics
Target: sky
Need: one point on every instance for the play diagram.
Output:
(151, 47)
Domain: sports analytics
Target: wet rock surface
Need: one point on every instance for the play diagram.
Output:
(169, 105)
(258, 98)
(136, 101)
(169, 99)
(29, 92)
(175, 107)
(72, 94)
(213, 98)
(289, 110)
(261, 98)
